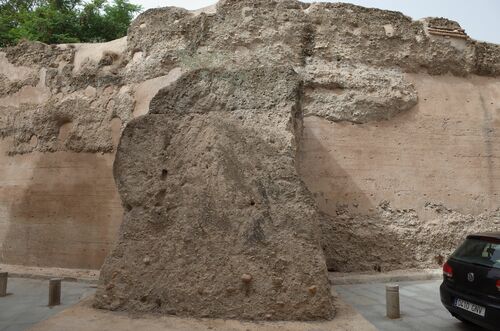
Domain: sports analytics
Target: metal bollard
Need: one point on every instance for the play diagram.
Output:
(55, 291)
(3, 283)
(392, 301)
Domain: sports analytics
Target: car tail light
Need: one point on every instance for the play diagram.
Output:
(498, 284)
(448, 271)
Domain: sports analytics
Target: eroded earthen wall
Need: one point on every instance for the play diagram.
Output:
(58, 209)
(217, 221)
(408, 189)
(59, 206)
(63, 107)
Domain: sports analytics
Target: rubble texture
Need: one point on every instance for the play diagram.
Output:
(59, 110)
(217, 221)
(349, 57)
(403, 193)
(211, 230)
(401, 237)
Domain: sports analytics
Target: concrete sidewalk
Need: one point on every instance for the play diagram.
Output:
(74, 275)
(26, 309)
(26, 302)
(83, 317)
(421, 307)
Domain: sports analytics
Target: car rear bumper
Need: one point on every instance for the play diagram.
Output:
(490, 321)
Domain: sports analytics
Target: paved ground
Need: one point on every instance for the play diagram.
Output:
(26, 308)
(82, 317)
(421, 307)
(26, 303)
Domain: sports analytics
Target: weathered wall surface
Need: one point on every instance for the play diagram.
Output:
(59, 206)
(215, 212)
(67, 104)
(408, 189)
(62, 110)
(58, 210)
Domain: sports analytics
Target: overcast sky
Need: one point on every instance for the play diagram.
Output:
(480, 18)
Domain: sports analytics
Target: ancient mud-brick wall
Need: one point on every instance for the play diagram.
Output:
(405, 192)
(60, 118)
(399, 135)
(193, 167)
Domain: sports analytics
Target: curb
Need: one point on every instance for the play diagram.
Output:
(67, 275)
(389, 277)
(48, 277)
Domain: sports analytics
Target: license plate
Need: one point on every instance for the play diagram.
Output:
(473, 308)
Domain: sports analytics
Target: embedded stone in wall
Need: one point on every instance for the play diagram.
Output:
(355, 93)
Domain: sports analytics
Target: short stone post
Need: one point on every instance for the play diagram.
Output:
(392, 301)
(3, 283)
(55, 291)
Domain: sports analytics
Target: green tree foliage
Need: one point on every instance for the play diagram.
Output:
(64, 21)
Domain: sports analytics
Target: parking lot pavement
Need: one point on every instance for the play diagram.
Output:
(26, 302)
(421, 307)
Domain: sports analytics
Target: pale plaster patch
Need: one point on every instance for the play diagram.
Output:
(90, 91)
(43, 77)
(11, 71)
(205, 10)
(116, 130)
(26, 95)
(93, 52)
(145, 91)
(137, 57)
(389, 30)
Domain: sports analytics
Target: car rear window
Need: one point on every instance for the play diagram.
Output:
(482, 251)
